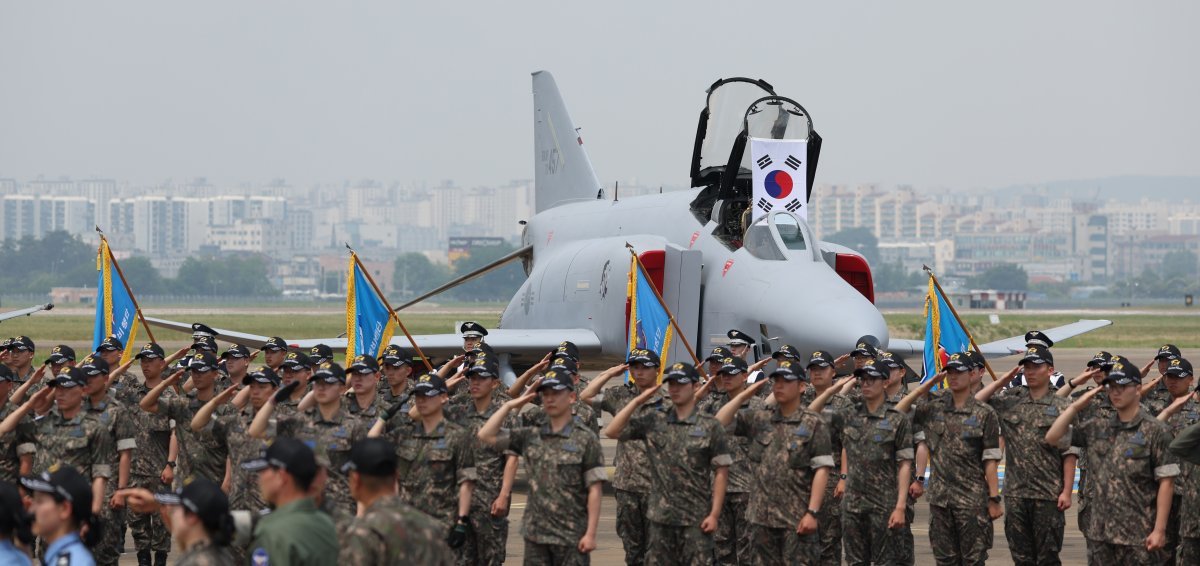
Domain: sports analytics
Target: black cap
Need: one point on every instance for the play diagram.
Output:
(200, 496)
(202, 362)
(1179, 368)
(13, 517)
(395, 356)
(733, 366)
(274, 344)
(820, 358)
(1038, 355)
(871, 370)
(287, 454)
(1038, 338)
(6, 373)
(864, 348)
(328, 372)
(110, 344)
(296, 360)
(788, 352)
(200, 329)
(151, 351)
(61, 354)
(959, 361)
(564, 364)
(70, 377)
(364, 365)
(682, 372)
(481, 348)
(484, 367)
(92, 366)
(1123, 372)
(25, 344)
(1100, 360)
(568, 349)
(976, 358)
(6, 343)
(738, 338)
(889, 361)
(789, 371)
(555, 381)
(236, 351)
(1168, 351)
(429, 385)
(65, 483)
(469, 329)
(719, 353)
(643, 357)
(320, 354)
(374, 457)
(261, 374)
(205, 344)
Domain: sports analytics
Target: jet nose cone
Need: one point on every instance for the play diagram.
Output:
(833, 319)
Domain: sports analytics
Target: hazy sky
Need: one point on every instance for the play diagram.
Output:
(957, 94)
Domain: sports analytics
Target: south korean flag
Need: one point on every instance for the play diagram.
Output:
(780, 176)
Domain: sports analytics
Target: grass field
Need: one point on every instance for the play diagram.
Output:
(1126, 332)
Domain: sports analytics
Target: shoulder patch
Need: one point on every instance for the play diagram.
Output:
(63, 560)
(259, 557)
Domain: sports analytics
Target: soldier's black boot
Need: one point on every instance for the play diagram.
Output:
(160, 559)
(143, 558)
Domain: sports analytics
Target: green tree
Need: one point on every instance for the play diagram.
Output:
(499, 284)
(416, 274)
(35, 265)
(1179, 263)
(1006, 277)
(231, 276)
(142, 277)
(860, 240)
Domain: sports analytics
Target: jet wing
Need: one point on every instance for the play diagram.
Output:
(25, 312)
(517, 342)
(1007, 346)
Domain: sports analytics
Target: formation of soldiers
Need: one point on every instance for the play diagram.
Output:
(392, 461)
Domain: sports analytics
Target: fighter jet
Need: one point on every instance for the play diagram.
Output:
(25, 312)
(716, 267)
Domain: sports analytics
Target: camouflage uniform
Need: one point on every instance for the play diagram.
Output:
(14, 444)
(201, 453)
(205, 554)
(829, 519)
(432, 464)
(1185, 507)
(1158, 398)
(394, 532)
(583, 414)
(560, 467)
(367, 415)
(877, 443)
(331, 440)
(149, 459)
(1100, 406)
(632, 479)
(785, 453)
(115, 418)
(1127, 460)
(683, 456)
(732, 539)
(1033, 476)
(904, 550)
(960, 440)
(81, 442)
(232, 430)
(488, 536)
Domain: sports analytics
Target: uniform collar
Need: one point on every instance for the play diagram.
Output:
(565, 432)
(778, 417)
(341, 415)
(1133, 423)
(672, 418)
(62, 543)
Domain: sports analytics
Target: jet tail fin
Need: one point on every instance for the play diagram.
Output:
(562, 170)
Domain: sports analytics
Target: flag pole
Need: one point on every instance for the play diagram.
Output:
(954, 312)
(663, 304)
(125, 284)
(391, 311)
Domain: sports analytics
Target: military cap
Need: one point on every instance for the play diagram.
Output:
(287, 454)
(1038, 338)
(976, 358)
(6, 373)
(395, 356)
(738, 338)
(1100, 360)
(13, 517)
(1179, 368)
(262, 374)
(6, 343)
(320, 354)
(205, 344)
(481, 348)
(555, 381)
(870, 370)
(864, 348)
(959, 361)
(202, 362)
(787, 352)
(93, 366)
(65, 483)
(150, 351)
(364, 365)
(200, 329)
(110, 344)
(69, 377)
(429, 385)
(61, 354)
(788, 371)
(682, 372)
(274, 344)
(471, 329)
(643, 357)
(568, 349)
(889, 361)
(820, 358)
(328, 372)
(25, 344)
(199, 495)
(1168, 351)
(719, 353)
(375, 457)
(733, 366)
(484, 368)
(236, 351)
(1038, 355)
(1123, 372)
(296, 360)
(564, 364)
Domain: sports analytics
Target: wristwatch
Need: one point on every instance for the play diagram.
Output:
(920, 480)
(841, 476)
(463, 519)
(171, 463)
(994, 499)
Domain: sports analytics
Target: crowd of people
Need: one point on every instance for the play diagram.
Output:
(795, 458)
